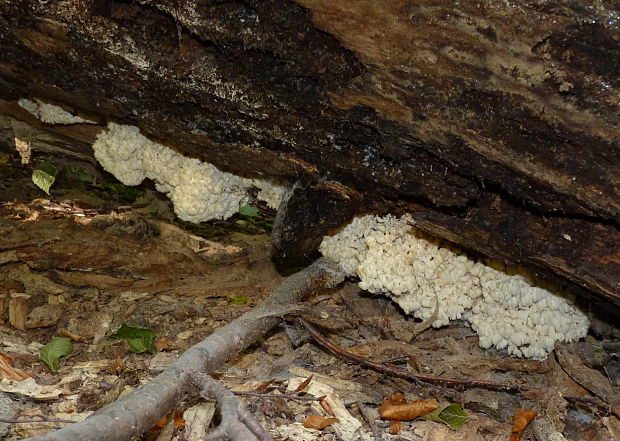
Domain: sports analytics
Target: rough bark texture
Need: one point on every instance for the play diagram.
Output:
(496, 122)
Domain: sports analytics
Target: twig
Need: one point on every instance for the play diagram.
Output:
(595, 402)
(284, 396)
(395, 371)
(40, 420)
(135, 413)
(29, 244)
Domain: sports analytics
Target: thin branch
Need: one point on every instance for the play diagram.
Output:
(284, 396)
(135, 413)
(29, 244)
(395, 371)
(39, 420)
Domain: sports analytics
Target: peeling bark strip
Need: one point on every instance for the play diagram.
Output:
(495, 122)
(133, 414)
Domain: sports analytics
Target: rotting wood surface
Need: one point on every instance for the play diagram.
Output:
(495, 123)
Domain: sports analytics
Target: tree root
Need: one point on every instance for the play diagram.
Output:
(135, 413)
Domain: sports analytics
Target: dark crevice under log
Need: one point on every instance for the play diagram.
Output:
(495, 124)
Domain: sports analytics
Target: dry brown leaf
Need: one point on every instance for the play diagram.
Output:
(264, 385)
(325, 405)
(162, 344)
(406, 411)
(413, 362)
(304, 384)
(116, 366)
(395, 427)
(62, 332)
(9, 372)
(318, 422)
(522, 418)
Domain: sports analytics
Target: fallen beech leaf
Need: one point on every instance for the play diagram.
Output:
(522, 418)
(304, 384)
(318, 422)
(395, 427)
(9, 372)
(325, 405)
(406, 411)
(162, 344)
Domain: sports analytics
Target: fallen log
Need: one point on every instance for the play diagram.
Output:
(494, 124)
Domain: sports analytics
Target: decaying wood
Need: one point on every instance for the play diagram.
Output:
(135, 413)
(494, 123)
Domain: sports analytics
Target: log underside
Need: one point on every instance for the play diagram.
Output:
(494, 124)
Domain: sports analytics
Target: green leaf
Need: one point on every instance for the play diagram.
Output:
(452, 415)
(56, 348)
(249, 211)
(432, 416)
(44, 176)
(79, 174)
(238, 300)
(139, 339)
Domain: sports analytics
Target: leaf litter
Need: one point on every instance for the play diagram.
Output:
(81, 272)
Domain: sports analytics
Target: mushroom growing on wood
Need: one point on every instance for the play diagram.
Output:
(198, 190)
(508, 308)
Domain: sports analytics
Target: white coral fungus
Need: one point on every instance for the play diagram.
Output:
(51, 114)
(198, 190)
(506, 310)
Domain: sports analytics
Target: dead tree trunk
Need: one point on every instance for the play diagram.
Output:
(494, 123)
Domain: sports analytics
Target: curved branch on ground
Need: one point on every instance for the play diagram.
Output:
(135, 413)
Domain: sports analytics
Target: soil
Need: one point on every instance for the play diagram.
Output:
(83, 261)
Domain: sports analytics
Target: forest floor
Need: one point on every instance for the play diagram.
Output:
(111, 272)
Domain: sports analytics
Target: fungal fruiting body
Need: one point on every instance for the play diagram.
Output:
(507, 309)
(198, 190)
(51, 114)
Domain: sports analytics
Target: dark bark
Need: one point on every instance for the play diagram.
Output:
(495, 123)
(308, 213)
